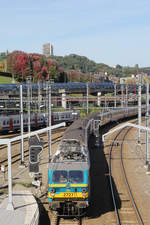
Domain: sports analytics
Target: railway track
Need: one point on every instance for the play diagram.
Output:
(126, 210)
(98, 184)
(56, 220)
(48, 217)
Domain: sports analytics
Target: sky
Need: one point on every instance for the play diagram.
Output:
(106, 31)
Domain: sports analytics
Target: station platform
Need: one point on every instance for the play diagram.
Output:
(25, 211)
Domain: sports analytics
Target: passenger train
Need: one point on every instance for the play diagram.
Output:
(69, 170)
(39, 120)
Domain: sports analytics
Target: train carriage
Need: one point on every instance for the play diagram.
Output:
(37, 120)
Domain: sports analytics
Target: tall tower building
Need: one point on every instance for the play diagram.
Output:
(48, 49)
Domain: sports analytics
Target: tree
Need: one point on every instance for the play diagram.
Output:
(136, 68)
(43, 73)
(12, 62)
(22, 65)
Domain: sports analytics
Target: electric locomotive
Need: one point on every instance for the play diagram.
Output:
(69, 174)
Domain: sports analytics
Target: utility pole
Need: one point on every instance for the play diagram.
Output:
(29, 101)
(147, 123)
(21, 124)
(48, 113)
(10, 205)
(39, 98)
(115, 102)
(46, 100)
(122, 96)
(105, 102)
(87, 98)
(49, 122)
(126, 95)
(139, 107)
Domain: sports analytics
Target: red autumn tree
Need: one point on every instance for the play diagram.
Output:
(36, 64)
(44, 73)
(12, 62)
(23, 66)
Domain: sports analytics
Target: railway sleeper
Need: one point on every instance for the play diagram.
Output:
(70, 209)
(63, 221)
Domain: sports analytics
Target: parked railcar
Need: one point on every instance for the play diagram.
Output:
(67, 116)
(37, 121)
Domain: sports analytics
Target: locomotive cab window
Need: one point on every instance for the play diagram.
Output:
(75, 176)
(72, 176)
(60, 176)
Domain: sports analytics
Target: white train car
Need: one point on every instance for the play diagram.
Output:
(37, 121)
(67, 116)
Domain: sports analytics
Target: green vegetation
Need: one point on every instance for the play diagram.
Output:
(80, 63)
(27, 185)
(3, 57)
(92, 109)
(72, 68)
(5, 80)
(146, 70)
(84, 65)
(3, 191)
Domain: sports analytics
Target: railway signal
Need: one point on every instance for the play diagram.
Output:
(34, 152)
(35, 148)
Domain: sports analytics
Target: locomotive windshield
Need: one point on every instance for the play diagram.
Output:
(72, 176)
(75, 176)
(60, 176)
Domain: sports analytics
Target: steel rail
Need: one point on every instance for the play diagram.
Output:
(127, 183)
(139, 218)
(111, 182)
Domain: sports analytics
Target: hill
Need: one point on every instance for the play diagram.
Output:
(87, 66)
(80, 63)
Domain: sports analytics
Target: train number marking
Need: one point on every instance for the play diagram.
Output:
(70, 195)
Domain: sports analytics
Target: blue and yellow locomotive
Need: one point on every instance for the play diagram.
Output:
(69, 179)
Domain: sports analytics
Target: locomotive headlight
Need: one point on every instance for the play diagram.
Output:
(52, 192)
(84, 192)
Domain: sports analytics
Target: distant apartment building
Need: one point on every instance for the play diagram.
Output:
(48, 49)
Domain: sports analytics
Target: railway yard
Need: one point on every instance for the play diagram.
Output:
(101, 210)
